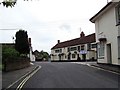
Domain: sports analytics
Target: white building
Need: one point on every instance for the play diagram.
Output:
(83, 48)
(31, 55)
(107, 27)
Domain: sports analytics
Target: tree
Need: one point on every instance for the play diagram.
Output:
(21, 42)
(10, 3)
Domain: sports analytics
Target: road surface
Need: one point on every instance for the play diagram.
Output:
(71, 75)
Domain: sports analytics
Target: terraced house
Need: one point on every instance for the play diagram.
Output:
(82, 48)
(107, 27)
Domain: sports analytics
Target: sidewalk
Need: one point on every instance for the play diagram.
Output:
(9, 78)
(110, 67)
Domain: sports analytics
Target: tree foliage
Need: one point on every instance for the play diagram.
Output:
(21, 42)
(10, 3)
(42, 55)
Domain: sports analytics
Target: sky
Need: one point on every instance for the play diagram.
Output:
(47, 21)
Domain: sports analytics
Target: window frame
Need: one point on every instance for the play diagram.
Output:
(73, 55)
(117, 12)
(101, 50)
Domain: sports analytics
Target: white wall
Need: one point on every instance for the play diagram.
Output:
(107, 24)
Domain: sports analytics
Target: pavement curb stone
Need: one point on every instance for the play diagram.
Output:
(99, 66)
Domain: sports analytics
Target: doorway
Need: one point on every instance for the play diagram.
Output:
(83, 57)
(109, 54)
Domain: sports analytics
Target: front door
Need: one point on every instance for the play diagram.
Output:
(84, 57)
(109, 55)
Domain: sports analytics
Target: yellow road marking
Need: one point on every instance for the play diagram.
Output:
(26, 79)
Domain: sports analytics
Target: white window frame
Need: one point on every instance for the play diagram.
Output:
(101, 50)
(118, 14)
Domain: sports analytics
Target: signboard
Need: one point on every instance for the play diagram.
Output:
(83, 52)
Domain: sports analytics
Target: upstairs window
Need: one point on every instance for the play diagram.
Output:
(118, 15)
(73, 48)
(94, 45)
(68, 49)
(88, 46)
(58, 51)
(78, 48)
(82, 47)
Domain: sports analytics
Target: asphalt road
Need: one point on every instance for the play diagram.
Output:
(71, 75)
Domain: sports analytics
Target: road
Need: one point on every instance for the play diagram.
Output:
(71, 75)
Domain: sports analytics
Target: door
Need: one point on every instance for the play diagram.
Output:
(109, 54)
(84, 57)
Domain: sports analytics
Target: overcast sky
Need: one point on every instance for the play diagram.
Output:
(47, 21)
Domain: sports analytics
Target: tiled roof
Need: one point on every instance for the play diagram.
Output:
(83, 40)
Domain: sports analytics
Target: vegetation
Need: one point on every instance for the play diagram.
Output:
(10, 3)
(21, 42)
(41, 55)
(9, 52)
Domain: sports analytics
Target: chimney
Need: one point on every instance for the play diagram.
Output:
(82, 34)
(58, 41)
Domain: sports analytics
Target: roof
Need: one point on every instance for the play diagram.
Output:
(102, 11)
(83, 40)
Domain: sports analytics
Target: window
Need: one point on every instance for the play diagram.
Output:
(73, 55)
(88, 46)
(78, 48)
(94, 45)
(58, 51)
(119, 47)
(68, 49)
(101, 47)
(118, 15)
(73, 48)
(82, 47)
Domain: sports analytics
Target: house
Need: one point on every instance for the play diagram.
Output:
(31, 54)
(82, 48)
(107, 28)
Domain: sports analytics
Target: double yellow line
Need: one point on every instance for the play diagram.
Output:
(26, 79)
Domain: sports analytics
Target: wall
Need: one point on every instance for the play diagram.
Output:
(106, 24)
(89, 55)
(20, 63)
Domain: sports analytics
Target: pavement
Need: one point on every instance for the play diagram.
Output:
(112, 68)
(10, 78)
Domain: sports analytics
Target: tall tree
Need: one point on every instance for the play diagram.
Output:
(21, 42)
(11, 3)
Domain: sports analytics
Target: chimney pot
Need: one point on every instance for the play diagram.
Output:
(82, 34)
(58, 41)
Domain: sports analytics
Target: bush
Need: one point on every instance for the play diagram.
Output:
(9, 52)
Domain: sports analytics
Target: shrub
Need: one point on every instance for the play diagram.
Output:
(9, 52)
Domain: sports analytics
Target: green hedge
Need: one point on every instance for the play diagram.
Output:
(9, 52)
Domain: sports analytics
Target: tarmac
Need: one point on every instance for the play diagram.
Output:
(9, 78)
